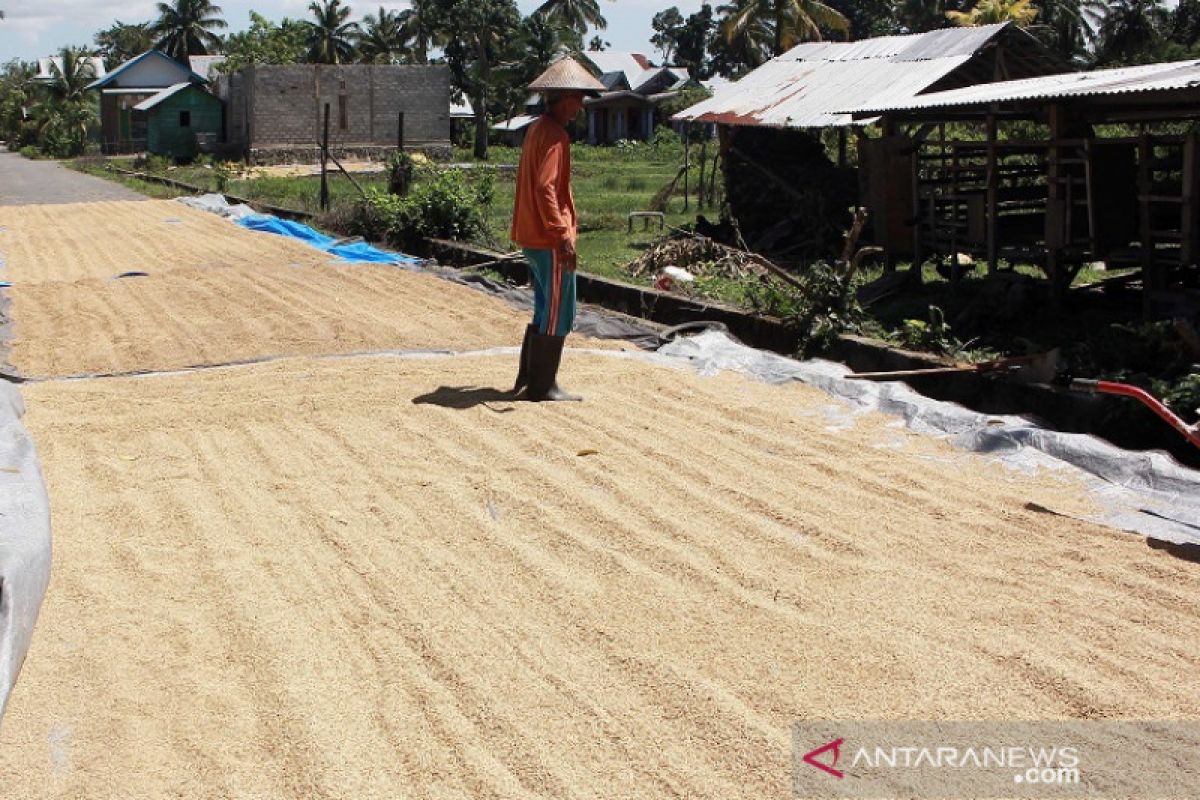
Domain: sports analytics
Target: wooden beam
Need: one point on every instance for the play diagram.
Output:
(1146, 238)
(993, 185)
(687, 133)
(1090, 194)
(1054, 201)
(324, 198)
(1187, 254)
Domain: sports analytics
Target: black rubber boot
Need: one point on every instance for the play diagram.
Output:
(545, 354)
(523, 367)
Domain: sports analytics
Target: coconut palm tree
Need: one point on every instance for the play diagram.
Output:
(789, 21)
(417, 26)
(381, 41)
(331, 37)
(67, 114)
(1069, 25)
(575, 15)
(990, 12)
(1130, 31)
(70, 75)
(185, 28)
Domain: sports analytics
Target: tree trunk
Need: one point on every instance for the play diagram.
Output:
(481, 126)
(778, 27)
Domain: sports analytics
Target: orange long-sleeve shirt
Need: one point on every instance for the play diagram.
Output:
(544, 209)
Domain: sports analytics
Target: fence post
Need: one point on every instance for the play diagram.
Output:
(687, 140)
(324, 162)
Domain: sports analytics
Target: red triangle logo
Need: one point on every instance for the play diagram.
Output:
(810, 758)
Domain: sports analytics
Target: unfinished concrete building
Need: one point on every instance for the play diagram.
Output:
(276, 113)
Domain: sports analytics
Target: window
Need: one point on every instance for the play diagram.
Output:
(185, 119)
(343, 122)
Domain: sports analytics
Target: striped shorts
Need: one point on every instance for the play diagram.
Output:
(553, 293)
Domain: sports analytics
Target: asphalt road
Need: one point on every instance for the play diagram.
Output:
(24, 182)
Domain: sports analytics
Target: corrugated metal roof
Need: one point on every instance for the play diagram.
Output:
(152, 101)
(515, 124)
(632, 66)
(203, 65)
(1147, 78)
(46, 67)
(116, 73)
(613, 61)
(813, 84)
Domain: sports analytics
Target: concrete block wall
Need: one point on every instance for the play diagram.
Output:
(423, 94)
(284, 105)
(228, 88)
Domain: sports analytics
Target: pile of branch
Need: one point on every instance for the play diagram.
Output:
(699, 255)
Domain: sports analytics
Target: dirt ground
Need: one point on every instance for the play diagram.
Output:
(373, 577)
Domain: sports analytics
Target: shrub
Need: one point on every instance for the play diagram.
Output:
(222, 174)
(1182, 395)
(401, 167)
(933, 336)
(63, 128)
(823, 309)
(443, 206)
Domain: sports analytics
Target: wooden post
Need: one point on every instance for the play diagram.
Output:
(703, 161)
(1145, 189)
(325, 162)
(687, 140)
(1090, 195)
(916, 204)
(400, 132)
(993, 186)
(1054, 202)
(841, 147)
(712, 178)
(955, 267)
(1187, 227)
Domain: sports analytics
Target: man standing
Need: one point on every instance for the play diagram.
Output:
(544, 226)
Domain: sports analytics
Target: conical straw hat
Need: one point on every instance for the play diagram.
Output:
(567, 74)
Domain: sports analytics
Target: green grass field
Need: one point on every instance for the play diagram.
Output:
(608, 183)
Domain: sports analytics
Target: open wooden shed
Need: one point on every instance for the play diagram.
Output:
(775, 168)
(1062, 170)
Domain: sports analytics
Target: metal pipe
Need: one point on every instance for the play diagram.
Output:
(1190, 432)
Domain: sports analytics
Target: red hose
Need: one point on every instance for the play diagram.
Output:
(1190, 432)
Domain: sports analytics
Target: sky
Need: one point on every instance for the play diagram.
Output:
(36, 28)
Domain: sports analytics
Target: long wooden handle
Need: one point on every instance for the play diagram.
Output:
(909, 373)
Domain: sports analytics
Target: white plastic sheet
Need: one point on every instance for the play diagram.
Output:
(24, 540)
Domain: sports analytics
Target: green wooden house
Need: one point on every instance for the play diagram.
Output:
(181, 120)
(122, 130)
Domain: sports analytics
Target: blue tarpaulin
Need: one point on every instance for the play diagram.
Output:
(356, 253)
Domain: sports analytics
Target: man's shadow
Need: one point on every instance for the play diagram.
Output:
(466, 397)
